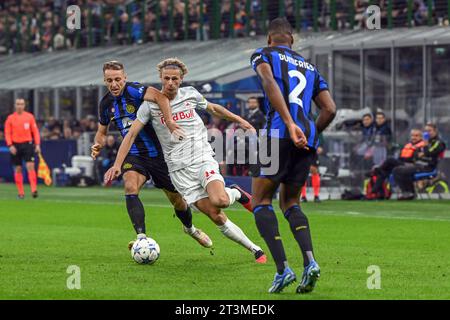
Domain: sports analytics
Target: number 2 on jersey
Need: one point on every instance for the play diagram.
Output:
(294, 96)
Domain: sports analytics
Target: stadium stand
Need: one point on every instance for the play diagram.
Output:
(39, 25)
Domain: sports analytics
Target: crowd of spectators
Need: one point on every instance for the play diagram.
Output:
(53, 129)
(375, 144)
(40, 25)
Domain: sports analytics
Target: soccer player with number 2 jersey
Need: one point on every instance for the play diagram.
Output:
(290, 84)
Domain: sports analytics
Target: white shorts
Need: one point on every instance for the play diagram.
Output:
(191, 181)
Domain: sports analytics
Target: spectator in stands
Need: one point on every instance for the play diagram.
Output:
(382, 138)
(106, 158)
(164, 21)
(122, 35)
(136, 31)
(254, 28)
(240, 21)
(420, 13)
(342, 13)
(254, 115)
(427, 161)
(178, 20)
(150, 26)
(225, 18)
(193, 21)
(368, 126)
(59, 41)
(407, 156)
(55, 134)
(257, 119)
(35, 39)
(400, 13)
(363, 150)
(3, 41)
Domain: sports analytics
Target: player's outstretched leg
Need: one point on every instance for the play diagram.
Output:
(245, 198)
(229, 229)
(184, 214)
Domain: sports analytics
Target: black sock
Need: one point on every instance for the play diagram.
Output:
(300, 228)
(267, 224)
(185, 217)
(136, 212)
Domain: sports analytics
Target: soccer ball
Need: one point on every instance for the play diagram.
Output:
(145, 251)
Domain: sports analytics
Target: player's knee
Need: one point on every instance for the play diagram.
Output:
(218, 217)
(314, 170)
(220, 200)
(131, 188)
(18, 169)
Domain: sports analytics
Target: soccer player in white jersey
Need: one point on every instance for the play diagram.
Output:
(189, 156)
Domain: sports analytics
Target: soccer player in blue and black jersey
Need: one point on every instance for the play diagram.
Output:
(290, 84)
(145, 160)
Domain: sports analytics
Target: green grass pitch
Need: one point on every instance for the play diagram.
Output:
(89, 228)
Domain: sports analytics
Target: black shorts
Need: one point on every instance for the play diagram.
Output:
(294, 163)
(152, 168)
(25, 152)
(315, 160)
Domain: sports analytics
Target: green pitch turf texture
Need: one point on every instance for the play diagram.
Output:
(40, 238)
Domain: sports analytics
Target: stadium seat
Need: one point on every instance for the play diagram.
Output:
(430, 182)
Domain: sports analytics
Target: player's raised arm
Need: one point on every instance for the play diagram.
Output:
(153, 95)
(277, 102)
(125, 147)
(327, 108)
(221, 112)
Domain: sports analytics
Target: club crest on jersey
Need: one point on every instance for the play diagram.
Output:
(130, 108)
(127, 166)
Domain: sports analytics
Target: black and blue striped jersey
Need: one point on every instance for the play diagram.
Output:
(300, 82)
(122, 110)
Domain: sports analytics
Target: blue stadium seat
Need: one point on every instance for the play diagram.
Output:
(425, 175)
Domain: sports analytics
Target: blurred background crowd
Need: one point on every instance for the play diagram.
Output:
(40, 25)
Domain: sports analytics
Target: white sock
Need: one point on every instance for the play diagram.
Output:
(233, 194)
(233, 232)
(191, 230)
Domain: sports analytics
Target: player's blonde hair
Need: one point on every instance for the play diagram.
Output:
(172, 63)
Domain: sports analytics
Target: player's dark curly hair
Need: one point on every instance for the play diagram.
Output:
(280, 26)
(173, 63)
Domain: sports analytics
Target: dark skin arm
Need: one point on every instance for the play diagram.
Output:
(277, 102)
(327, 107)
